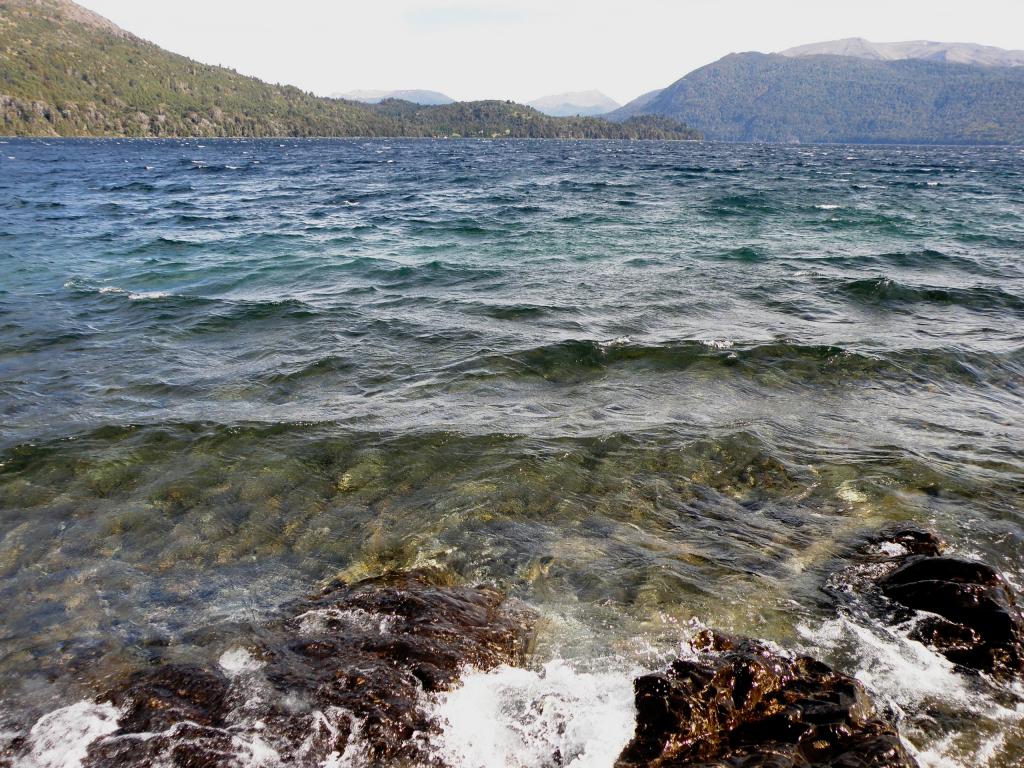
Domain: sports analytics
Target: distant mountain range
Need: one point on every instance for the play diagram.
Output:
(583, 103)
(922, 50)
(426, 98)
(65, 71)
(865, 93)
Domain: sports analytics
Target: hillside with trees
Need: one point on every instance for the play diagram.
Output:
(775, 98)
(65, 71)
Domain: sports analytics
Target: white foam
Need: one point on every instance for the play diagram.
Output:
(717, 343)
(238, 661)
(846, 492)
(517, 718)
(316, 621)
(903, 670)
(892, 549)
(144, 295)
(912, 679)
(61, 739)
(828, 207)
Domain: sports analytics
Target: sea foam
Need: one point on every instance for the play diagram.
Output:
(61, 739)
(558, 715)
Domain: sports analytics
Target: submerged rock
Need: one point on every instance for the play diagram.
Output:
(973, 618)
(739, 704)
(341, 678)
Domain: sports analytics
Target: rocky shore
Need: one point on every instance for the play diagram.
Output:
(346, 677)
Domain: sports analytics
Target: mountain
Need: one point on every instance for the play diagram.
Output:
(826, 98)
(924, 50)
(65, 71)
(376, 97)
(497, 119)
(575, 103)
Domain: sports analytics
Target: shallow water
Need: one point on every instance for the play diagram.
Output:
(635, 385)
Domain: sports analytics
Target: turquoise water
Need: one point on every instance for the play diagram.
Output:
(635, 385)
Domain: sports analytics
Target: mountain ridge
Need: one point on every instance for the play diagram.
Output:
(575, 103)
(65, 71)
(840, 99)
(415, 96)
(924, 50)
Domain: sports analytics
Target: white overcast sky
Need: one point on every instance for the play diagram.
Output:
(524, 49)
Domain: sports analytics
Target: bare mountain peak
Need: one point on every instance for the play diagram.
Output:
(926, 50)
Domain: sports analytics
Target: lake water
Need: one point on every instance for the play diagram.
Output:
(642, 387)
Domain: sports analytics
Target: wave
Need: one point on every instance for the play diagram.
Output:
(744, 253)
(575, 360)
(741, 204)
(396, 274)
(510, 311)
(888, 292)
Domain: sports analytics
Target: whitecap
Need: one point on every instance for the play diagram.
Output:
(145, 295)
(827, 207)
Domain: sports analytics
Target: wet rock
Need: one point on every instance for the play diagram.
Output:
(900, 542)
(961, 608)
(739, 704)
(343, 675)
(976, 622)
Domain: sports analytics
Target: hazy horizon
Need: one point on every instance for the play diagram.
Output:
(529, 49)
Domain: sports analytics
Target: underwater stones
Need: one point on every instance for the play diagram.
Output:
(739, 704)
(343, 674)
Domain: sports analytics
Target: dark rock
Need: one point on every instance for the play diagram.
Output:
(739, 704)
(977, 623)
(343, 674)
(912, 540)
(969, 612)
(157, 700)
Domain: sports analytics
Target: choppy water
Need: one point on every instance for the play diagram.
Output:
(635, 385)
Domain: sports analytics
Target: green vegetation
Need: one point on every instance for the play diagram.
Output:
(67, 72)
(763, 97)
(505, 118)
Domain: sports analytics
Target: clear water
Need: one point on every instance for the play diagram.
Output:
(635, 385)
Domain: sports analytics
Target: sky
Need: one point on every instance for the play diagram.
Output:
(525, 49)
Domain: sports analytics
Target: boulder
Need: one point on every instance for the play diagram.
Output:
(342, 675)
(973, 620)
(737, 703)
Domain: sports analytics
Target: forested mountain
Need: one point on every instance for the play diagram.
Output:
(770, 97)
(506, 118)
(64, 71)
